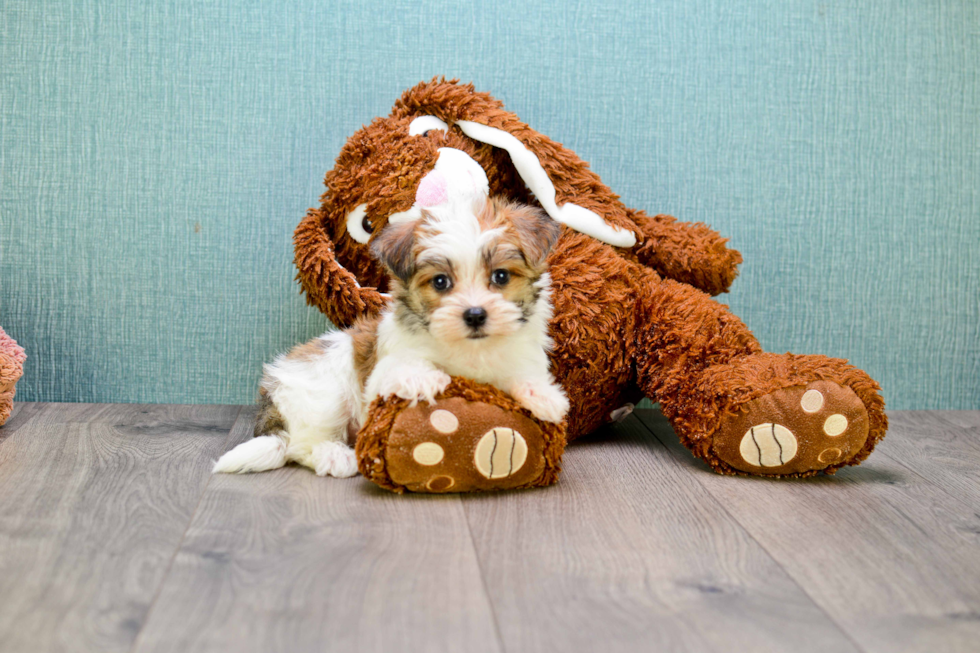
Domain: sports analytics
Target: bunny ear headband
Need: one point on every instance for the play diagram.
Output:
(458, 181)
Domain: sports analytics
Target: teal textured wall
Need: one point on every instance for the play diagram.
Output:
(155, 158)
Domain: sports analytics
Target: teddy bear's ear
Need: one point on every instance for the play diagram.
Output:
(394, 246)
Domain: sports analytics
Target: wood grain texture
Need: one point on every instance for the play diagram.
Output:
(890, 556)
(95, 500)
(963, 418)
(628, 552)
(288, 561)
(21, 414)
(114, 537)
(931, 444)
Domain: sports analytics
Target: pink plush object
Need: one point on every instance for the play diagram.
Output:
(12, 359)
(432, 190)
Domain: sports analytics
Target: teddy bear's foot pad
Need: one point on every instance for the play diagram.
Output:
(795, 430)
(442, 448)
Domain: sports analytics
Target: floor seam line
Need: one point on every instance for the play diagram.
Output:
(180, 543)
(752, 537)
(959, 501)
(483, 577)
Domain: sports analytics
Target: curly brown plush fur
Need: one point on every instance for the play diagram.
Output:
(12, 359)
(628, 322)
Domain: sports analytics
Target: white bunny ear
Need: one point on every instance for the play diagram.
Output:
(529, 168)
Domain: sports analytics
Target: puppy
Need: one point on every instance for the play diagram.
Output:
(470, 297)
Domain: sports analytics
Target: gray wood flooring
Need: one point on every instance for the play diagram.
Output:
(114, 537)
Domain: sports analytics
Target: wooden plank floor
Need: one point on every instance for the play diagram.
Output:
(115, 537)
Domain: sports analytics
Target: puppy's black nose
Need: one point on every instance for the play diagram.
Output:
(475, 316)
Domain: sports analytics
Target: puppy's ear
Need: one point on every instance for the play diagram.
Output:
(394, 248)
(535, 230)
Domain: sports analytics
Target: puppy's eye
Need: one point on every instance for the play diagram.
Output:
(441, 282)
(367, 225)
(500, 277)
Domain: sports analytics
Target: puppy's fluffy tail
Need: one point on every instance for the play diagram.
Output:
(256, 455)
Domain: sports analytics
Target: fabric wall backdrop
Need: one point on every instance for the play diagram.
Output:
(155, 158)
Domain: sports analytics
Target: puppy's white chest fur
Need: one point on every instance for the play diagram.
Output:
(497, 360)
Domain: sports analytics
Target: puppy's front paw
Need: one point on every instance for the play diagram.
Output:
(416, 385)
(334, 459)
(545, 401)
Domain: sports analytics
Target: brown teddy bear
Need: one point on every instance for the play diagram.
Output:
(633, 314)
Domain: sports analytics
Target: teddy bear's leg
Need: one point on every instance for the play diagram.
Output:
(473, 438)
(741, 409)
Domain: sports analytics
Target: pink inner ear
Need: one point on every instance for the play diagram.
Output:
(431, 190)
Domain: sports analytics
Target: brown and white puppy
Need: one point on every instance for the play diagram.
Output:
(471, 297)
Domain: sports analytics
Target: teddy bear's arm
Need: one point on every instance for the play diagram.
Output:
(328, 285)
(689, 252)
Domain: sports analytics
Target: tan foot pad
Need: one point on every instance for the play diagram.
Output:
(441, 448)
(794, 430)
